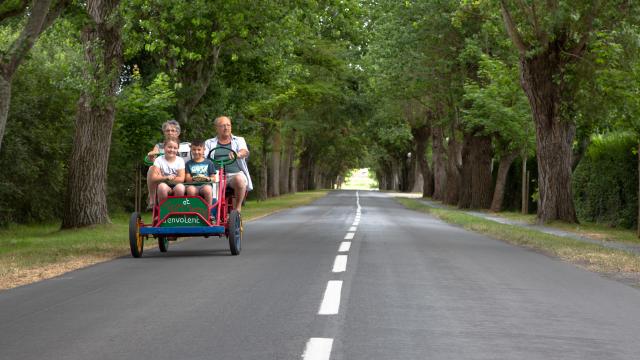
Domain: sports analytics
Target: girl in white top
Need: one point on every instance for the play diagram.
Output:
(167, 172)
(171, 130)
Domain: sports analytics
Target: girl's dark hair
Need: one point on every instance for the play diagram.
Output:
(197, 142)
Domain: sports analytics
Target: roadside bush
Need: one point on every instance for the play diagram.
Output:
(605, 183)
(39, 131)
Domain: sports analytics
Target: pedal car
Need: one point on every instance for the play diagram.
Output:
(187, 216)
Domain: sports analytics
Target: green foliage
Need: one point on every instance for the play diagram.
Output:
(615, 94)
(415, 74)
(141, 111)
(40, 129)
(8, 34)
(497, 104)
(342, 82)
(605, 184)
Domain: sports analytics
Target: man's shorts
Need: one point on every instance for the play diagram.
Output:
(234, 174)
(214, 187)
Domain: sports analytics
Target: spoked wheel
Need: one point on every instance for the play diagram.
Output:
(136, 241)
(235, 232)
(163, 243)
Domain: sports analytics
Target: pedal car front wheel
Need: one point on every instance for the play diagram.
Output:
(235, 232)
(136, 241)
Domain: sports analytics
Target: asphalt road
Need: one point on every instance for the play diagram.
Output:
(406, 286)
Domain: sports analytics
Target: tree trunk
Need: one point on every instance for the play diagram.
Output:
(579, 152)
(263, 190)
(421, 136)
(382, 181)
(286, 165)
(274, 173)
(415, 182)
(395, 176)
(86, 200)
(5, 101)
(304, 171)
(501, 180)
(638, 225)
(453, 171)
(439, 164)
(466, 172)
(293, 177)
(554, 135)
(525, 186)
(481, 183)
(316, 177)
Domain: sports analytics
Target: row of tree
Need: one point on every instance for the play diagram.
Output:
(487, 82)
(444, 96)
(88, 100)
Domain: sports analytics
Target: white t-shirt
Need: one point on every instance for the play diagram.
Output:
(167, 168)
(184, 150)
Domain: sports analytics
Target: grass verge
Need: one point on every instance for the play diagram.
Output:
(31, 253)
(590, 256)
(595, 231)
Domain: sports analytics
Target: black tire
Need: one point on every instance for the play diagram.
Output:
(163, 243)
(234, 233)
(136, 241)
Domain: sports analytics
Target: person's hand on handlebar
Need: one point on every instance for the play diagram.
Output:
(152, 155)
(242, 153)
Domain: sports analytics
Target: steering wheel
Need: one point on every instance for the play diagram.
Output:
(148, 162)
(223, 162)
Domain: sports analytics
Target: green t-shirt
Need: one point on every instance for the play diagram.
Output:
(223, 153)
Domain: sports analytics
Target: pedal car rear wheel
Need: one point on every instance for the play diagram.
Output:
(235, 232)
(136, 241)
(163, 243)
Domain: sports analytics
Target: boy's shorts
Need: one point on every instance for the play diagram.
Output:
(214, 187)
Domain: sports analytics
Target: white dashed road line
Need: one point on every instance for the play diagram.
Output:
(318, 349)
(331, 299)
(344, 246)
(340, 264)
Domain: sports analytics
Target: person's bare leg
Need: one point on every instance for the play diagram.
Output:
(239, 185)
(163, 192)
(192, 190)
(178, 190)
(206, 193)
(151, 187)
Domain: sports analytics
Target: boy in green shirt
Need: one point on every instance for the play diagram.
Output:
(199, 169)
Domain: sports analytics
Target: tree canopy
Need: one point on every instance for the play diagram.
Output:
(450, 98)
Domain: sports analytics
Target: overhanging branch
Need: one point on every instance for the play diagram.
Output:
(511, 29)
(587, 26)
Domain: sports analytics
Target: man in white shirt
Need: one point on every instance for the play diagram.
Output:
(238, 173)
